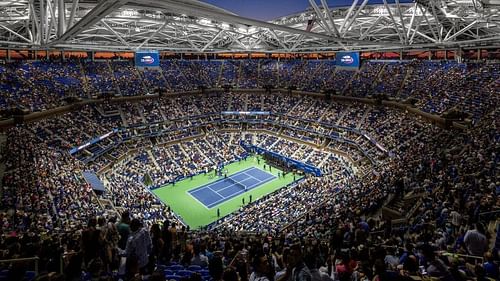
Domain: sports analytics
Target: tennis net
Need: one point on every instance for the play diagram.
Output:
(242, 186)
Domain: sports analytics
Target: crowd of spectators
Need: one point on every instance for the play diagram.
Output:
(317, 227)
(435, 86)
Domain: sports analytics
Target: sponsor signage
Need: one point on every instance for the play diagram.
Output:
(347, 59)
(147, 59)
(245, 113)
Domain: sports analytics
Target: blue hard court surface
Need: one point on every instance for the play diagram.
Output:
(220, 191)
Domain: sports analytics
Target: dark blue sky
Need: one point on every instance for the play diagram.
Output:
(271, 9)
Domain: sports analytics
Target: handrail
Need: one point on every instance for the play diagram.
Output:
(489, 213)
(461, 255)
(35, 258)
(61, 260)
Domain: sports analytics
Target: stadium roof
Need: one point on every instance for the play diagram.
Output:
(194, 26)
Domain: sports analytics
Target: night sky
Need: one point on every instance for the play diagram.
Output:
(271, 9)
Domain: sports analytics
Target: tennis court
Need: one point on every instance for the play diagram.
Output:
(224, 189)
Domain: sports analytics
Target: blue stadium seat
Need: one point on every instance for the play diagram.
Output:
(204, 272)
(186, 273)
(176, 267)
(29, 275)
(168, 272)
(161, 267)
(194, 267)
(173, 277)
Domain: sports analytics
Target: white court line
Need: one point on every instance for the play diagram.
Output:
(214, 191)
(223, 198)
(202, 188)
(206, 186)
(225, 189)
(266, 180)
(190, 194)
(251, 176)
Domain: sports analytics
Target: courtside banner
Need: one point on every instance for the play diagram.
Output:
(147, 59)
(347, 60)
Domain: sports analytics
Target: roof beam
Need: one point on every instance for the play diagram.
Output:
(349, 12)
(278, 39)
(71, 20)
(460, 32)
(185, 7)
(101, 10)
(393, 20)
(344, 31)
(405, 37)
(320, 15)
(114, 32)
(325, 23)
(15, 33)
(325, 7)
(213, 40)
(153, 34)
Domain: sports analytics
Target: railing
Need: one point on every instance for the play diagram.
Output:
(475, 258)
(62, 260)
(35, 259)
(490, 215)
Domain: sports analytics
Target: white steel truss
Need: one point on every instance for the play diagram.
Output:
(193, 26)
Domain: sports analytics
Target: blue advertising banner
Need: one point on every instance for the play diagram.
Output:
(245, 113)
(347, 60)
(147, 59)
(91, 142)
(289, 161)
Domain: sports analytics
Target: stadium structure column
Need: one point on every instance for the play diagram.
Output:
(458, 55)
(61, 18)
(8, 54)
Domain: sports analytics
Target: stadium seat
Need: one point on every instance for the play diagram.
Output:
(161, 267)
(176, 267)
(183, 273)
(204, 272)
(194, 267)
(173, 277)
(29, 275)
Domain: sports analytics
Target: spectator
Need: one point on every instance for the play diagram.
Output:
(475, 241)
(138, 246)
